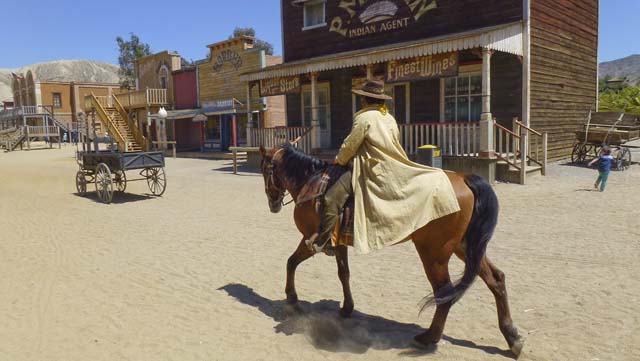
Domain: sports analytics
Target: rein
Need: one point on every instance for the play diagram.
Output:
(271, 181)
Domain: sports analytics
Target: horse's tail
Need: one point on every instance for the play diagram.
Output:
(479, 232)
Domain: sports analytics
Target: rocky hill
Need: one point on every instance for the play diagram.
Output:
(62, 70)
(626, 67)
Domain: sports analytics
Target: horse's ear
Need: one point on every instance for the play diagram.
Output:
(263, 151)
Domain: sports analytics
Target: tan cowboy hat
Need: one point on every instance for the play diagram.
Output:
(372, 89)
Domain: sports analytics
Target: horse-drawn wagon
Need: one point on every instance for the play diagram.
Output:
(107, 169)
(610, 130)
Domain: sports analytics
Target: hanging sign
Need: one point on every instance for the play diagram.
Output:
(424, 67)
(279, 86)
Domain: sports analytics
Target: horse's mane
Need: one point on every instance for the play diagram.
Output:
(298, 166)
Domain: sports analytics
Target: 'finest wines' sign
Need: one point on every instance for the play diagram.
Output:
(425, 67)
(279, 86)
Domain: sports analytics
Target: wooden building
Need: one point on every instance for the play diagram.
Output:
(222, 95)
(189, 134)
(460, 73)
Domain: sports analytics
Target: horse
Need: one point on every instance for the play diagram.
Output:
(465, 233)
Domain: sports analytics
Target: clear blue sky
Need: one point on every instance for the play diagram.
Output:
(72, 29)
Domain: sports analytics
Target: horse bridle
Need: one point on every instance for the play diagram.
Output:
(271, 181)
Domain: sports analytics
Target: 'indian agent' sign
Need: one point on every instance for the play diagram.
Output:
(279, 86)
(424, 67)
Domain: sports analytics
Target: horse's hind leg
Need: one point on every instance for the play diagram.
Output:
(437, 269)
(301, 254)
(495, 280)
(342, 258)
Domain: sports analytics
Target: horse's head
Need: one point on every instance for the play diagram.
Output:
(274, 185)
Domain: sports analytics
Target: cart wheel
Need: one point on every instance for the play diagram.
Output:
(156, 180)
(104, 183)
(81, 183)
(120, 179)
(623, 159)
(579, 153)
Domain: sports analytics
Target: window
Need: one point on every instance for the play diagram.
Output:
(57, 100)
(163, 75)
(463, 98)
(324, 105)
(314, 14)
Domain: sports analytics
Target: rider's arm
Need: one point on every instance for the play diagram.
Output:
(353, 141)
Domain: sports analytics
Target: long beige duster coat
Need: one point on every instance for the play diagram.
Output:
(393, 196)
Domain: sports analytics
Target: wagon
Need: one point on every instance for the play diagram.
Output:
(107, 169)
(606, 129)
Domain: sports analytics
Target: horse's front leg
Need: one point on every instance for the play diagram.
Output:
(301, 254)
(342, 258)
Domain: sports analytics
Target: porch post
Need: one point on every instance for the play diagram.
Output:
(315, 124)
(369, 71)
(486, 119)
(249, 116)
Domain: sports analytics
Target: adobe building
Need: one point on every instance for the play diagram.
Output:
(486, 81)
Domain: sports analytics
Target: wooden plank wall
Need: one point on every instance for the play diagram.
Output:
(564, 45)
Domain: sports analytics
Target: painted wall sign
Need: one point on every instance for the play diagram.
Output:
(279, 86)
(362, 17)
(425, 67)
(227, 56)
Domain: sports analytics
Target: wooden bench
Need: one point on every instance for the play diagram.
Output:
(253, 156)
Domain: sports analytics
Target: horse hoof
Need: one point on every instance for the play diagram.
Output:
(345, 313)
(293, 310)
(424, 341)
(517, 346)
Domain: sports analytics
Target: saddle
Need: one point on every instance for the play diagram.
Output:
(314, 190)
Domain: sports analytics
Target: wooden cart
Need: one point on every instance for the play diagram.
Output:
(107, 169)
(606, 129)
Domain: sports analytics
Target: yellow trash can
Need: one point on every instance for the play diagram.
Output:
(429, 155)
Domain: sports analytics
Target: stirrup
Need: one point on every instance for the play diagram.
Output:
(314, 248)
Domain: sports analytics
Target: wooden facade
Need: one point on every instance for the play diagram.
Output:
(219, 83)
(530, 60)
(155, 71)
(564, 69)
(348, 28)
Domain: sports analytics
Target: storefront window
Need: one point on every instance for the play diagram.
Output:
(463, 98)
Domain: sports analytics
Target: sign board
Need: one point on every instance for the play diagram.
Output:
(279, 86)
(200, 118)
(421, 68)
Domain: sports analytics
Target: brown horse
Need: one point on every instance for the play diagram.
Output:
(465, 233)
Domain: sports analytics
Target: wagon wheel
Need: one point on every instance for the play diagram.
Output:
(81, 183)
(623, 159)
(104, 183)
(120, 179)
(157, 181)
(579, 153)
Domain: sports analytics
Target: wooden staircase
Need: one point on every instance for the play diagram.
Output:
(521, 152)
(115, 120)
(11, 139)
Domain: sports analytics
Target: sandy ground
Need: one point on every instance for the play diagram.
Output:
(198, 274)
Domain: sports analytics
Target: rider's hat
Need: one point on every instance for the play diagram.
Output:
(372, 89)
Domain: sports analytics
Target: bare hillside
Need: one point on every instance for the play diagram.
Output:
(628, 67)
(62, 70)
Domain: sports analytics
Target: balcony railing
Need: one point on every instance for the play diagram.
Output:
(275, 137)
(143, 98)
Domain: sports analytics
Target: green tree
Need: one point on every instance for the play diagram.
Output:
(258, 44)
(130, 51)
(626, 100)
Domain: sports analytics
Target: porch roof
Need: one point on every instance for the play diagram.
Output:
(505, 38)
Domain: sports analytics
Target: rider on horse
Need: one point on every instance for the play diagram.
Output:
(384, 180)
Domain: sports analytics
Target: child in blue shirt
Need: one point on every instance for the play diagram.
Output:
(604, 167)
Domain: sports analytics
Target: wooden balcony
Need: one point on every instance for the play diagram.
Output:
(143, 98)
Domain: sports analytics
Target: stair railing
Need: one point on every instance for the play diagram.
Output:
(111, 127)
(507, 144)
(536, 144)
(137, 135)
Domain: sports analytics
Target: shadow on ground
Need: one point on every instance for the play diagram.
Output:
(247, 170)
(118, 198)
(320, 323)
